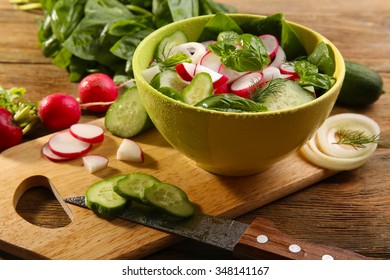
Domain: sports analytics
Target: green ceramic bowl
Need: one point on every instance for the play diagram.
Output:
(233, 144)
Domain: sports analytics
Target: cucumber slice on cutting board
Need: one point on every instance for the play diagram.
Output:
(133, 185)
(170, 199)
(101, 198)
(127, 116)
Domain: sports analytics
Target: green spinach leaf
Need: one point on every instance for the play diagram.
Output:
(217, 24)
(277, 25)
(310, 76)
(65, 16)
(250, 56)
(322, 58)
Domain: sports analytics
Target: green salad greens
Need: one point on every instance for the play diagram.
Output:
(86, 36)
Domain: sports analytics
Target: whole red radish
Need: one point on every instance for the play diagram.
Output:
(10, 133)
(59, 111)
(97, 87)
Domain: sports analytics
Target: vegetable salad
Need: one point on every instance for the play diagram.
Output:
(259, 67)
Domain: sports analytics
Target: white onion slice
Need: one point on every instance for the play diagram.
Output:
(193, 49)
(312, 153)
(326, 134)
(321, 151)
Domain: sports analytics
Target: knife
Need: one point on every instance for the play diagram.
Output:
(259, 240)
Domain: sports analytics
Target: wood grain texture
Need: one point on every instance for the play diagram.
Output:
(24, 167)
(349, 210)
(263, 240)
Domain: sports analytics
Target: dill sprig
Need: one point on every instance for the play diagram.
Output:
(355, 138)
(260, 92)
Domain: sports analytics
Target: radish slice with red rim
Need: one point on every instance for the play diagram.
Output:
(95, 163)
(89, 133)
(218, 79)
(211, 60)
(65, 145)
(279, 58)
(271, 73)
(224, 88)
(271, 44)
(186, 71)
(287, 68)
(230, 73)
(246, 84)
(47, 153)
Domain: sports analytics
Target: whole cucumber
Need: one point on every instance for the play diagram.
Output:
(362, 85)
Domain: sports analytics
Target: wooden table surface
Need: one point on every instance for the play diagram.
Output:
(349, 210)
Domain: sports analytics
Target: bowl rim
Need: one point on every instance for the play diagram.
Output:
(338, 58)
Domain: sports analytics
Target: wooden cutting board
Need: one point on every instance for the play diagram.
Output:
(91, 237)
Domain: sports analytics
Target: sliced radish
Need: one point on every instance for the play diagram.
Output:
(211, 60)
(271, 73)
(217, 78)
(186, 71)
(287, 68)
(279, 58)
(224, 88)
(271, 43)
(230, 73)
(130, 151)
(89, 133)
(65, 145)
(95, 163)
(46, 152)
(194, 50)
(246, 84)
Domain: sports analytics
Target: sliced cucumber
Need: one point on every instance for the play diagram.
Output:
(127, 116)
(230, 102)
(172, 93)
(170, 199)
(168, 78)
(101, 198)
(282, 94)
(168, 42)
(133, 185)
(200, 87)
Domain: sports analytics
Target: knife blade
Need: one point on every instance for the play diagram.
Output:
(258, 240)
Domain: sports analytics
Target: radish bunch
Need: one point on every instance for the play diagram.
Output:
(97, 88)
(79, 140)
(226, 80)
(10, 133)
(96, 93)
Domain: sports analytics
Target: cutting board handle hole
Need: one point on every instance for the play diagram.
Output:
(36, 195)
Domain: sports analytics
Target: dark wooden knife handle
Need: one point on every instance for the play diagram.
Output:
(263, 241)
